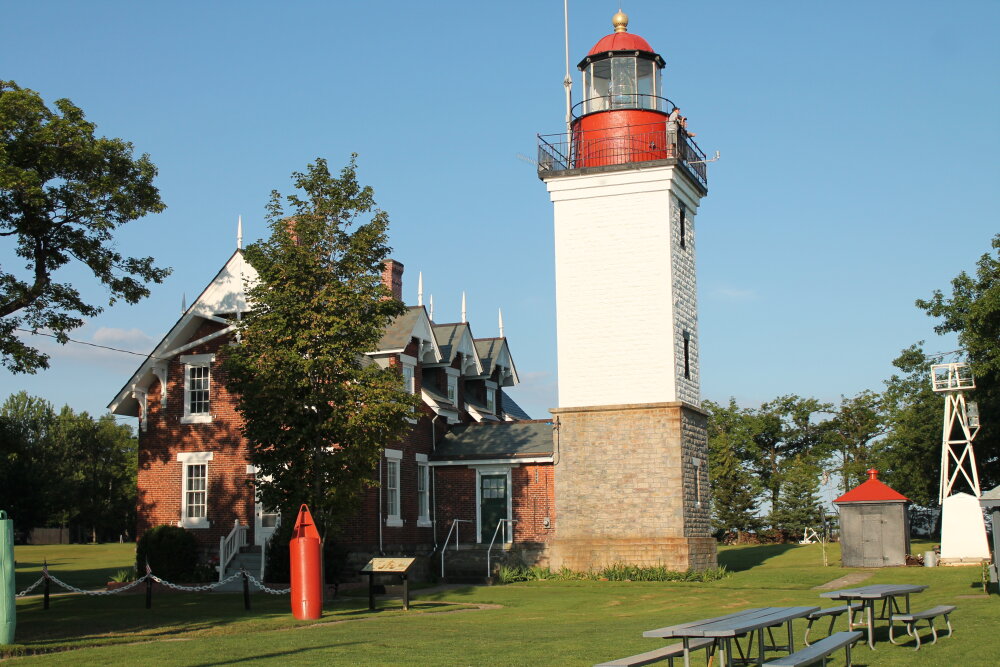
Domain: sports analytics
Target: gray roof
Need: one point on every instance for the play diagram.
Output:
(512, 408)
(492, 440)
(448, 336)
(397, 334)
(991, 498)
(488, 349)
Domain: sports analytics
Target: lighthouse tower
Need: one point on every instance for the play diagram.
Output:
(625, 179)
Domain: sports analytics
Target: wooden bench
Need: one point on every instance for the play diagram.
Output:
(659, 655)
(834, 613)
(929, 615)
(820, 651)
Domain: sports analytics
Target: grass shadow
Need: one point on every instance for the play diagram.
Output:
(738, 560)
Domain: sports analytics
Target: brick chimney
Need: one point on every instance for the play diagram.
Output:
(392, 277)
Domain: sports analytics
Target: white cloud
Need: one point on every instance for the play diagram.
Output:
(133, 339)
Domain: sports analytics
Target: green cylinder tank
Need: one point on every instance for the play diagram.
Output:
(8, 618)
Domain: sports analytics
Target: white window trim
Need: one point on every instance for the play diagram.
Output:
(424, 469)
(451, 381)
(394, 456)
(190, 361)
(491, 387)
(186, 459)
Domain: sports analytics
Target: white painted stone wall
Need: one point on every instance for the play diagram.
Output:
(624, 289)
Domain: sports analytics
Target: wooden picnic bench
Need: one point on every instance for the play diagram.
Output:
(659, 655)
(820, 651)
(910, 620)
(834, 613)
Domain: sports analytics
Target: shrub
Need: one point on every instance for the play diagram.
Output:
(172, 553)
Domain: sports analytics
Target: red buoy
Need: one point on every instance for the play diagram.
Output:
(304, 558)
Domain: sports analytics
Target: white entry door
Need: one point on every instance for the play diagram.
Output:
(265, 523)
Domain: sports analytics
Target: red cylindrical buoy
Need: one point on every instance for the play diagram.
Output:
(304, 555)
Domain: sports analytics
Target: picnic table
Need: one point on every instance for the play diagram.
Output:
(726, 630)
(888, 593)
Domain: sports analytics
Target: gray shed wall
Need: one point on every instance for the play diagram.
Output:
(874, 534)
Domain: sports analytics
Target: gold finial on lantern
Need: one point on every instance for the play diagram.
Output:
(620, 21)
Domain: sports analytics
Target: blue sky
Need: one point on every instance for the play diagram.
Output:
(859, 162)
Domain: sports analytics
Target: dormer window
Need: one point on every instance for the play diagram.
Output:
(452, 388)
(491, 399)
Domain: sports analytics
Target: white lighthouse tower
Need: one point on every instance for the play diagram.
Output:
(626, 179)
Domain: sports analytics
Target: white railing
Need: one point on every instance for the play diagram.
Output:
(489, 570)
(230, 545)
(453, 529)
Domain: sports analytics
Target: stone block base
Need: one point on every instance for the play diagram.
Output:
(674, 553)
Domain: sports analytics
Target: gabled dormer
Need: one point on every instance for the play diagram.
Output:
(497, 363)
(212, 315)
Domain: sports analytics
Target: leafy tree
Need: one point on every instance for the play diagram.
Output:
(973, 312)
(63, 193)
(853, 433)
(317, 413)
(782, 430)
(798, 505)
(27, 463)
(66, 469)
(735, 489)
(911, 451)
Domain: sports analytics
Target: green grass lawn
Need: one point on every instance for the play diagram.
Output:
(535, 623)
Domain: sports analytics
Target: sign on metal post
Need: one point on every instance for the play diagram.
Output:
(400, 566)
(8, 619)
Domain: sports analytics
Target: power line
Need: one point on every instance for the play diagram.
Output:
(83, 342)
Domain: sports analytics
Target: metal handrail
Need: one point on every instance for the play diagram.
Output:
(489, 569)
(614, 101)
(230, 545)
(444, 546)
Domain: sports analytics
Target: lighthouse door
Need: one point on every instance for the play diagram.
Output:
(493, 507)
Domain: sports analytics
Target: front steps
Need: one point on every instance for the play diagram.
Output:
(249, 559)
(468, 564)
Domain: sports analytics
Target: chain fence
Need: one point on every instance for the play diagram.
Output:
(48, 576)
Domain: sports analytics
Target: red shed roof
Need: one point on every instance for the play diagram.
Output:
(621, 41)
(871, 491)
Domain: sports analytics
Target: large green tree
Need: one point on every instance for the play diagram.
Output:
(735, 488)
(854, 433)
(910, 455)
(972, 311)
(66, 469)
(63, 193)
(317, 412)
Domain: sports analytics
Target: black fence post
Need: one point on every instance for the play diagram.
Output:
(149, 592)
(45, 599)
(246, 591)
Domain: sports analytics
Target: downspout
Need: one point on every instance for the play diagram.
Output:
(380, 551)
(434, 509)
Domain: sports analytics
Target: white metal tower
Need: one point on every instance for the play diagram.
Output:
(963, 530)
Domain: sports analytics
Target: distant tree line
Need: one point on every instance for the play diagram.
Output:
(779, 454)
(66, 469)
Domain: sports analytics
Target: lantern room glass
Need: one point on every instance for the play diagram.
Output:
(621, 82)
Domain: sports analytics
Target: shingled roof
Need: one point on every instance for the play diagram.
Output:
(496, 440)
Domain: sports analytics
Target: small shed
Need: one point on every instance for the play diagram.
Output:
(991, 503)
(874, 525)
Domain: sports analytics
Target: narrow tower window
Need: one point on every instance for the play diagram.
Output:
(683, 224)
(687, 355)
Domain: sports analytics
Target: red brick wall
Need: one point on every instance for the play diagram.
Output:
(159, 476)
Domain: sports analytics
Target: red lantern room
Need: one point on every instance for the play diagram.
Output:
(624, 116)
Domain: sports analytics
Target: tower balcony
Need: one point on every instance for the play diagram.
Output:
(618, 140)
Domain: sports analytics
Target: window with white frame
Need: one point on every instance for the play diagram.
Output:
(453, 389)
(194, 489)
(197, 388)
(393, 458)
(408, 383)
(423, 491)
(491, 397)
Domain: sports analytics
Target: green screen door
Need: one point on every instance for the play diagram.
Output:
(493, 508)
